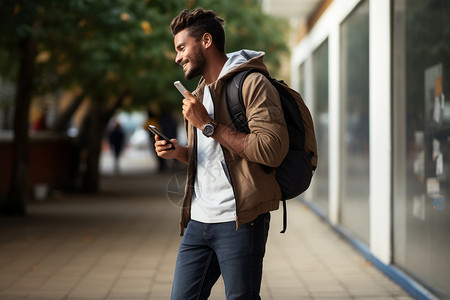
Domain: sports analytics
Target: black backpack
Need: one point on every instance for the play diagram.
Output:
(295, 172)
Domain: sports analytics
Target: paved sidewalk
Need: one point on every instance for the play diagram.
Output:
(122, 244)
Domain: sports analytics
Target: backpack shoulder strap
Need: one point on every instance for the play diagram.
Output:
(235, 101)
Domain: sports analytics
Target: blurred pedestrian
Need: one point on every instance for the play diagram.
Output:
(226, 210)
(41, 121)
(117, 142)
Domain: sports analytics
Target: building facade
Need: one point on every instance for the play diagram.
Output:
(375, 74)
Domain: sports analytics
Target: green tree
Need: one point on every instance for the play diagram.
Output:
(131, 47)
(20, 28)
(112, 51)
(117, 54)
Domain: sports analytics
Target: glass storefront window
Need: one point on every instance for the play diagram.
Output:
(302, 84)
(320, 100)
(421, 66)
(354, 86)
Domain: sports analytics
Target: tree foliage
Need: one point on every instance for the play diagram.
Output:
(108, 46)
(113, 51)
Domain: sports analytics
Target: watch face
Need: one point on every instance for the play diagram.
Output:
(208, 130)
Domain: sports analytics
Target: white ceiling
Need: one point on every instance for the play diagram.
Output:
(298, 9)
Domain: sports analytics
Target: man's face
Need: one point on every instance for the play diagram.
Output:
(189, 54)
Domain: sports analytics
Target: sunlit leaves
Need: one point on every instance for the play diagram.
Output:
(145, 25)
(124, 16)
(16, 9)
(97, 44)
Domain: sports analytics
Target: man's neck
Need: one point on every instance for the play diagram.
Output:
(214, 68)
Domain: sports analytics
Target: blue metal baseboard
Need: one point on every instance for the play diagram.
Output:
(411, 286)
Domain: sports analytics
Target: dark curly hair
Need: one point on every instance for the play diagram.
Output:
(198, 22)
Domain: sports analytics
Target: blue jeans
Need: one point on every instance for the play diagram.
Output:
(208, 250)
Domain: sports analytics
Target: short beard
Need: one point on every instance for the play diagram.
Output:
(198, 64)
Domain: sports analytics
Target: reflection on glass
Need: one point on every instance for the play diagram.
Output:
(302, 84)
(355, 115)
(422, 141)
(320, 100)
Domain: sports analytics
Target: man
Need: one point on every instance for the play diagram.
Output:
(225, 215)
(117, 141)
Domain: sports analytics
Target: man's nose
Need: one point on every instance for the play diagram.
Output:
(178, 58)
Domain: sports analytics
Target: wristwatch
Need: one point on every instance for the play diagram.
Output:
(209, 128)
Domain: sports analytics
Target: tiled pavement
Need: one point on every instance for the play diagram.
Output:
(122, 244)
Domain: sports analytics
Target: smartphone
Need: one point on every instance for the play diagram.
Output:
(180, 87)
(156, 131)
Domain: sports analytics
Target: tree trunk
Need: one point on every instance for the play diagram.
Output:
(98, 123)
(78, 153)
(98, 120)
(18, 194)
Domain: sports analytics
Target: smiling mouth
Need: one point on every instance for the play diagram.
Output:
(183, 65)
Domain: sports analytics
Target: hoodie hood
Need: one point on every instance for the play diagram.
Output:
(239, 61)
(243, 60)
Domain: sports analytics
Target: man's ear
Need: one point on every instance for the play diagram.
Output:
(206, 40)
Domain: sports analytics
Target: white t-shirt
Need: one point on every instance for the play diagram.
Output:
(213, 200)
